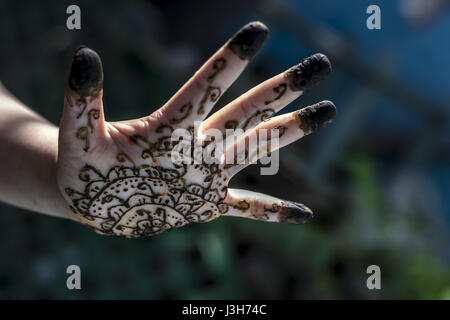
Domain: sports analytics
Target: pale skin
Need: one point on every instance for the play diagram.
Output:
(119, 178)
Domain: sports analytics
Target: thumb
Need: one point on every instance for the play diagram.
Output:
(82, 124)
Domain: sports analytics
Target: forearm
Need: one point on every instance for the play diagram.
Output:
(28, 161)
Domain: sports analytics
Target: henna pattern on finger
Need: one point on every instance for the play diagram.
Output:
(83, 109)
(211, 93)
(84, 86)
(266, 114)
(83, 134)
(263, 115)
(92, 114)
(281, 130)
(272, 209)
(260, 216)
(186, 109)
(218, 65)
(280, 90)
(242, 205)
(289, 212)
(266, 149)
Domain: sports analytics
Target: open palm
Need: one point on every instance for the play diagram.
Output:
(120, 178)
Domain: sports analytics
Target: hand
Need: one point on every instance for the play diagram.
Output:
(119, 178)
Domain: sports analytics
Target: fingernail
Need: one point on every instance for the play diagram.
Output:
(296, 213)
(316, 116)
(308, 72)
(86, 75)
(247, 41)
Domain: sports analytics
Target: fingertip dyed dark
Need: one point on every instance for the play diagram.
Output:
(86, 75)
(308, 72)
(316, 116)
(296, 213)
(247, 41)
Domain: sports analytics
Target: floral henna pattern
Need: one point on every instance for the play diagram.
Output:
(143, 200)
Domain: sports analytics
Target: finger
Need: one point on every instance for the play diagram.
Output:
(197, 97)
(258, 206)
(276, 133)
(82, 123)
(264, 100)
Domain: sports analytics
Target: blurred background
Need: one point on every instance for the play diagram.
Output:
(378, 178)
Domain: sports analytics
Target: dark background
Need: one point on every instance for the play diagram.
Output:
(378, 178)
